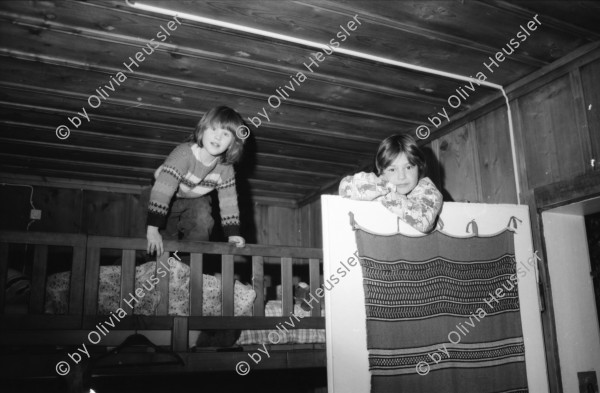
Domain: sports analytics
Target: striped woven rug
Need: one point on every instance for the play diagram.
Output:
(442, 313)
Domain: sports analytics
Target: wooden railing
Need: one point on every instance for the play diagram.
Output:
(85, 272)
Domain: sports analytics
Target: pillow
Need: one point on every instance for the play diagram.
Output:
(109, 292)
(57, 293)
(243, 297)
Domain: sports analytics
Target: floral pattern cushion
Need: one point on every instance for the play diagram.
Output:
(109, 291)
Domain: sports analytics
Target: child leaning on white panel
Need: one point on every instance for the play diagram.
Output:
(401, 185)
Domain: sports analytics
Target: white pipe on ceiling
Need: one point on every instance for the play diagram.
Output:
(361, 55)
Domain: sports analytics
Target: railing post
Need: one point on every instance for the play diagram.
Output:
(77, 284)
(92, 276)
(196, 285)
(258, 283)
(38, 282)
(287, 294)
(315, 275)
(227, 285)
(163, 285)
(127, 279)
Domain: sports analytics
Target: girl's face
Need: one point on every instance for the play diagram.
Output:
(216, 140)
(402, 174)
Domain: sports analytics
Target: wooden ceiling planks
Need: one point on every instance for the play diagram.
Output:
(319, 21)
(152, 76)
(577, 18)
(450, 30)
(167, 95)
(200, 45)
(54, 54)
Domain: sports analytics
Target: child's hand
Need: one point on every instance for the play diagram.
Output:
(238, 240)
(155, 242)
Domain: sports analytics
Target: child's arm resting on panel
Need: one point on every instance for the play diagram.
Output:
(419, 208)
(363, 187)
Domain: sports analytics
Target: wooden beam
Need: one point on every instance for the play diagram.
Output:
(330, 162)
(129, 365)
(280, 185)
(253, 323)
(565, 192)
(273, 201)
(560, 25)
(266, 132)
(83, 177)
(145, 172)
(412, 28)
(270, 199)
(43, 238)
(97, 242)
(34, 149)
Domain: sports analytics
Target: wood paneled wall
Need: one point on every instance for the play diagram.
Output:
(277, 225)
(97, 212)
(557, 134)
(552, 132)
(474, 162)
(72, 210)
(556, 116)
(590, 79)
(311, 225)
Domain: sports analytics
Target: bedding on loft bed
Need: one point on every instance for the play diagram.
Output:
(283, 335)
(109, 292)
(109, 297)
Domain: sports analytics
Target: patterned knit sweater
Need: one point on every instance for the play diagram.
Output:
(419, 208)
(184, 173)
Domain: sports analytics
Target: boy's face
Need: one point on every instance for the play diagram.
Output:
(402, 174)
(216, 140)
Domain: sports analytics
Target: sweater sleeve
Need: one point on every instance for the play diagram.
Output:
(419, 208)
(363, 187)
(168, 177)
(228, 204)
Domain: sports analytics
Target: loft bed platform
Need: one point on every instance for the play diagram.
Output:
(34, 340)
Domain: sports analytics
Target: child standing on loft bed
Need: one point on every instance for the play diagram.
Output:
(189, 174)
(401, 186)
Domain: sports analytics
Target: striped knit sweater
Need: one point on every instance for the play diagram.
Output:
(184, 173)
